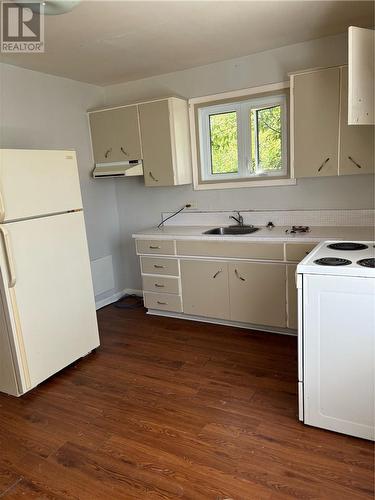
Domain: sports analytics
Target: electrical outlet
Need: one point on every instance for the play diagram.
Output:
(193, 205)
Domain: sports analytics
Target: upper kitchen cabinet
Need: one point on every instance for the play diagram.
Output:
(361, 76)
(315, 115)
(115, 134)
(164, 128)
(356, 142)
(322, 142)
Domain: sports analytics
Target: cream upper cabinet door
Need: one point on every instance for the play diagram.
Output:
(115, 134)
(315, 131)
(258, 293)
(361, 76)
(165, 142)
(205, 288)
(356, 141)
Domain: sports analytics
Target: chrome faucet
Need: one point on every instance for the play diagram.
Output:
(238, 219)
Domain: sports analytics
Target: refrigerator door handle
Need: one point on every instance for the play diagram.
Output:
(9, 258)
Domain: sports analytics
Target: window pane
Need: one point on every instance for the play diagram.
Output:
(223, 138)
(265, 125)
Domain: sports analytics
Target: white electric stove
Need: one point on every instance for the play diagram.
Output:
(336, 337)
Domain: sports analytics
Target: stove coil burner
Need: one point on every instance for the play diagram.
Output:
(332, 261)
(347, 245)
(298, 229)
(366, 262)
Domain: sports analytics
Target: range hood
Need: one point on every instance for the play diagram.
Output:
(118, 169)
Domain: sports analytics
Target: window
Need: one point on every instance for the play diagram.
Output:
(243, 140)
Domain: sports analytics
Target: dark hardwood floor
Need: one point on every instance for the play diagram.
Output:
(174, 409)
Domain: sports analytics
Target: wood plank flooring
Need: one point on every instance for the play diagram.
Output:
(174, 409)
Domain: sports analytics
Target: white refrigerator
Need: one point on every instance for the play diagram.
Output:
(47, 309)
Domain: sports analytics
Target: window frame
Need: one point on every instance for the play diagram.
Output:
(243, 110)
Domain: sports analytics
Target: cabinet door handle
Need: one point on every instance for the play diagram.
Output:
(238, 275)
(152, 247)
(162, 303)
(159, 286)
(157, 266)
(353, 161)
(107, 154)
(217, 273)
(123, 151)
(152, 177)
(322, 165)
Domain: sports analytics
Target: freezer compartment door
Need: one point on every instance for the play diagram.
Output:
(52, 301)
(35, 183)
(339, 333)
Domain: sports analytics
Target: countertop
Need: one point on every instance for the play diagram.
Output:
(321, 233)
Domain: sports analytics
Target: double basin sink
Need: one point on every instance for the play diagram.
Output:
(228, 230)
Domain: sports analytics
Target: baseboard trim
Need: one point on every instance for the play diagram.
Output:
(214, 321)
(117, 296)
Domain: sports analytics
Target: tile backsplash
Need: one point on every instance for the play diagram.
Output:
(278, 217)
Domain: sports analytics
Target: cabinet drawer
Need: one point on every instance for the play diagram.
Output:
(266, 251)
(158, 284)
(163, 301)
(163, 247)
(297, 251)
(151, 265)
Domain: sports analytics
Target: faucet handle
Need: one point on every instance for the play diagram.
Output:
(238, 219)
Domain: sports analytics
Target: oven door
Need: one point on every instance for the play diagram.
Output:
(338, 347)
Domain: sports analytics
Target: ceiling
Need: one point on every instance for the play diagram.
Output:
(104, 42)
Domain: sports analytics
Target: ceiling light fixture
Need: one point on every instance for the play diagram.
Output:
(51, 7)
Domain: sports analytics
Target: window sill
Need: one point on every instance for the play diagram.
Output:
(244, 184)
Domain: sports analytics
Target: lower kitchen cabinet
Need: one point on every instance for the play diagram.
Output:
(257, 293)
(292, 296)
(205, 288)
(224, 280)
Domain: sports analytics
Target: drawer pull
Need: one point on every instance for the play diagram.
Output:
(107, 154)
(152, 247)
(123, 151)
(158, 266)
(217, 273)
(159, 286)
(238, 275)
(162, 303)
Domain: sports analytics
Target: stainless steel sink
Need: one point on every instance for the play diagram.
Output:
(232, 230)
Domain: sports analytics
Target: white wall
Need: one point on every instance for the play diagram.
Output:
(39, 111)
(140, 207)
